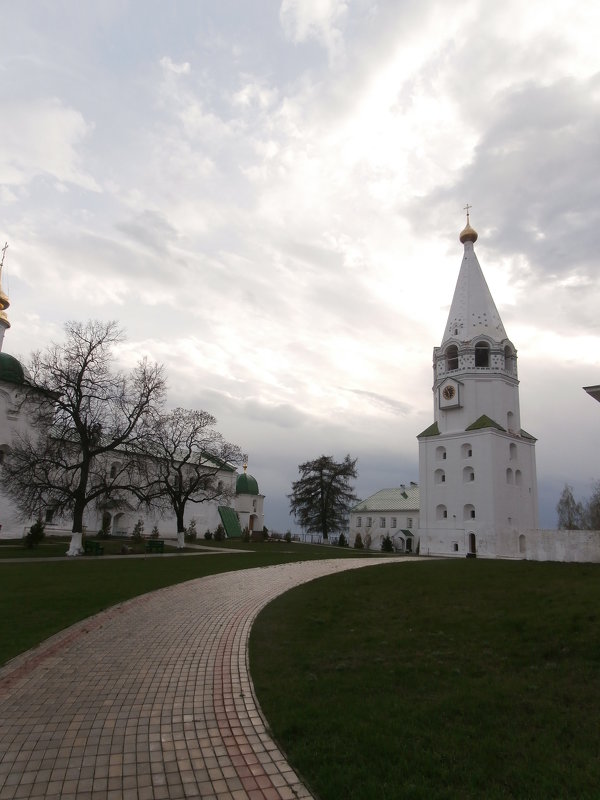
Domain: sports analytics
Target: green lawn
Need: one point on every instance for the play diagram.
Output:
(53, 547)
(437, 679)
(39, 599)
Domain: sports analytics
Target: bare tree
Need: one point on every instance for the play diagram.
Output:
(570, 512)
(81, 410)
(322, 496)
(185, 461)
(592, 509)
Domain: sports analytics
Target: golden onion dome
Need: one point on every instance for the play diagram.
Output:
(468, 234)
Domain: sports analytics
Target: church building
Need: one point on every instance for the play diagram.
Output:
(477, 472)
(241, 505)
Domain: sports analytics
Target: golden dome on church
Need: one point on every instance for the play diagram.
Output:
(468, 234)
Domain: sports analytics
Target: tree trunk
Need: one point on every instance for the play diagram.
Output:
(75, 548)
(180, 528)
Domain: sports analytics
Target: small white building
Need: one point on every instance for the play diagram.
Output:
(249, 503)
(393, 512)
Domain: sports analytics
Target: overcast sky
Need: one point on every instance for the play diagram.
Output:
(267, 195)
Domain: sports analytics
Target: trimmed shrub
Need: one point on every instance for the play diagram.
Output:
(358, 542)
(288, 536)
(138, 530)
(104, 532)
(208, 535)
(190, 531)
(342, 541)
(219, 533)
(387, 546)
(35, 535)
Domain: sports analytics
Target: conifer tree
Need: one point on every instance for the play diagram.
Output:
(322, 496)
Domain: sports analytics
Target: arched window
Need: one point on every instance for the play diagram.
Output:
(509, 359)
(455, 547)
(441, 512)
(510, 422)
(509, 475)
(469, 511)
(466, 451)
(522, 544)
(512, 449)
(359, 522)
(468, 474)
(518, 477)
(440, 476)
(440, 453)
(452, 357)
(482, 354)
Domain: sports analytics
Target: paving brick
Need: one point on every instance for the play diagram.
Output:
(151, 699)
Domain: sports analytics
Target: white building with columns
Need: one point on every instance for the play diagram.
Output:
(477, 472)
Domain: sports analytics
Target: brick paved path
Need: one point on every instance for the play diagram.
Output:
(151, 699)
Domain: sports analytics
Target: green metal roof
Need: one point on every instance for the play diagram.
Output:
(432, 430)
(246, 484)
(484, 422)
(11, 370)
(404, 498)
(526, 435)
(230, 521)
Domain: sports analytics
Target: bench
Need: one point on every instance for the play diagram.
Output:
(154, 546)
(92, 548)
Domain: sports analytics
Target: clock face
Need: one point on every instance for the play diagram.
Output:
(449, 392)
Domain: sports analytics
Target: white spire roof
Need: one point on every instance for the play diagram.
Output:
(473, 311)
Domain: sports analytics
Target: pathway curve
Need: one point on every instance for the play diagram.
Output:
(152, 698)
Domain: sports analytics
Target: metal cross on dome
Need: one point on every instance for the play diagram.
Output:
(467, 207)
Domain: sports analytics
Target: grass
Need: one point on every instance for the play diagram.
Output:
(454, 679)
(40, 599)
(53, 547)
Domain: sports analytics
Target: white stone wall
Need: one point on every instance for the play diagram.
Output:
(14, 422)
(552, 545)
(525, 544)
(446, 464)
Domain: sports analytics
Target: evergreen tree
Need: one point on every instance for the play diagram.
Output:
(322, 496)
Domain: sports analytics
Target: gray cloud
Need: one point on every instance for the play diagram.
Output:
(279, 219)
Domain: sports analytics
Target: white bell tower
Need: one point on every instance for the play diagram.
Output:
(476, 464)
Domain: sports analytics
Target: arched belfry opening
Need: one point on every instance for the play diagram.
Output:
(482, 354)
(451, 357)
